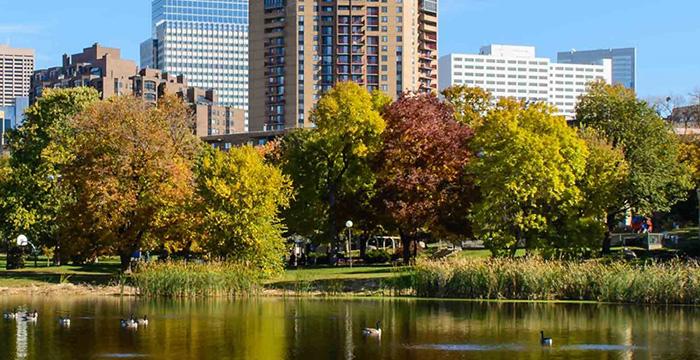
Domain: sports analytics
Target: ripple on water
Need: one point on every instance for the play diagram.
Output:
(123, 356)
(602, 347)
(469, 347)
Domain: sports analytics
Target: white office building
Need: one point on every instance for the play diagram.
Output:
(516, 71)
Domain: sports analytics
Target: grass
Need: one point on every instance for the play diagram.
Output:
(192, 280)
(101, 273)
(673, 282)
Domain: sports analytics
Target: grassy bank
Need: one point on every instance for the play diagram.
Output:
(533, 279)
(191, 280)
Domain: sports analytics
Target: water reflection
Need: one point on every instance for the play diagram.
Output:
(331, 329)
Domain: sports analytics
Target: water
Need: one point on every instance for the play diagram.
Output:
(331, 329)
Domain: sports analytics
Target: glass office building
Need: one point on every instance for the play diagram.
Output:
(204, 40)
(624, 63)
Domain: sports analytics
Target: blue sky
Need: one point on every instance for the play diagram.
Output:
(666, 33)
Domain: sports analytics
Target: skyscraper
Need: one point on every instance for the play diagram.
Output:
(624, 63)
(204, 40)
(16, 67)
(300, 48)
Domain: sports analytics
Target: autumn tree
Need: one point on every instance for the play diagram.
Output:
(132, 166)
(240, 200)
(331, 162)
(690, 155)
(657, 179)
(421, 165)
(470, 104)
(33, 195)
(528, 162)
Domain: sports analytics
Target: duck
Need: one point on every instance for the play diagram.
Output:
(32, 316)
(64, 321)
(129, 324)
(143, 321)
(545, 341)
(10, 315)
(373, 332)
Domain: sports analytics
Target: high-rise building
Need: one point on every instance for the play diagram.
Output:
(16, 67)
(98, 67)
(624, 63)
(516, 71)
(300, 48)
(204, 40)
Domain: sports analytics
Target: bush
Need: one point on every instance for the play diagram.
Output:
(377, 257)
(15, 258)
(675, 282)
(191, 280)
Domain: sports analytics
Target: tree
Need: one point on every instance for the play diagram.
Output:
(470, 104)
(132, 167)
(657, 179)
(527, 166)
(240, 200)
(33, 194)
(421, 165)
(332, 161)
(690, 155)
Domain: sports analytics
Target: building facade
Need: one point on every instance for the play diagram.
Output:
(99, 67)
(624, 63)
(516, 71)
(16, 68)
(204, 40)
(210, 117)
(300, 48)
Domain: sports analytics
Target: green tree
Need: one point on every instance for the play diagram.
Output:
(131, 169)
(470, 104)
(527, 166)
(657, 179)
(690, 155)
(240, 201)
(330, 163)
(33, 195)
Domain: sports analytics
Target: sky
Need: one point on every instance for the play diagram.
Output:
(665, 33)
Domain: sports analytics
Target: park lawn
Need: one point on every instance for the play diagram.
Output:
(100, 273)
(340, 273)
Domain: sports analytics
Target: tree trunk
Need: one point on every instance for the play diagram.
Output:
(332, 226)
(609, 227)
(406, 244)
(125, 258)
(363, 245)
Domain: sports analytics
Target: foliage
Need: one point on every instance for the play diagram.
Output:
(421, 164)
(470, 104)
(690, 155)
(331, 161)
(192, 280)
(33, 196)
(535, 279)
(377, 257)
(241, 197)
(528, 164)
(132, 167)
(656, 180)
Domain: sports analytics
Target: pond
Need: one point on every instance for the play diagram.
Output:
(278, 328)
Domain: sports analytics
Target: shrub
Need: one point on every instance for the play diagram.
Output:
(15, 258)
(377, 257)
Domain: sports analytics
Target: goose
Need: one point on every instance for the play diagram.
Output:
(373, 332)
(143, 322)
(10, 315)
(64, 321)
(545, 341)
(33, 316)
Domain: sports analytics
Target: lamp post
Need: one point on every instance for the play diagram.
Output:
(22, 241)
(349, 225)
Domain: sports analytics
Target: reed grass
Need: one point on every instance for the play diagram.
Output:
(192, 280)
(674, 282)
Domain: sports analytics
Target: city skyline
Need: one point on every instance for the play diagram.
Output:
(549, 26)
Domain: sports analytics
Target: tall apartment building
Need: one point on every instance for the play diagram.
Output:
(98, 67)
(300, 48)
(516, 71)
(624, 63)
(16, 67)
(204, 40)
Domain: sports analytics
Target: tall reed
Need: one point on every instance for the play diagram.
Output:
(191, 280)
(674, 282)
